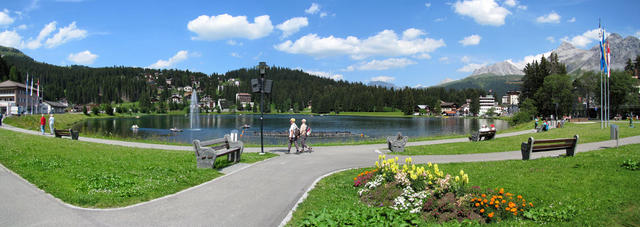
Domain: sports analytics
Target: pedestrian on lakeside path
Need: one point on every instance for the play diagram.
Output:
(536, 126)
(0, 118)
(304, 132)
(293, 138)
(51, 120)
(43, 121)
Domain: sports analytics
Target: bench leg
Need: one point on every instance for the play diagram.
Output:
(206, 163)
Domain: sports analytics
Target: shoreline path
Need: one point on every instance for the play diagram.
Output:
(260, 194)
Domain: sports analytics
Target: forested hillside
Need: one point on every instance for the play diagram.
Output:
(292, 89)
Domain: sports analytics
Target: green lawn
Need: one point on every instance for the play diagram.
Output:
(98, 175)
(586, 132)
(590, 189)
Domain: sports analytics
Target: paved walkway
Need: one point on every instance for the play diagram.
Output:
(260, 195)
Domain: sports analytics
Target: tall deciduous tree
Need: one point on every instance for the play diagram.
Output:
(555, 96)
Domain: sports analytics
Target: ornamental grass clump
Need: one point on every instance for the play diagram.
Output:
(429, 192)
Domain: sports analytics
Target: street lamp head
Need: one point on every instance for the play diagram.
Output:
(263, 67)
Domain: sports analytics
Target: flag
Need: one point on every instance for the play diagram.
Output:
(602, 61)
(38, 90)
(608, 60)
(31, 87)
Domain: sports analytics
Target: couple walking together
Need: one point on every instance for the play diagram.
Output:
(301, 133)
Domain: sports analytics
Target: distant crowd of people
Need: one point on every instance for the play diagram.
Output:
(299, 134)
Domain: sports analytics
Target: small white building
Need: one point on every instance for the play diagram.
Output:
(52, 107)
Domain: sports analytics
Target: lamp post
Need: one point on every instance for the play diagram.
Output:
(263, 68)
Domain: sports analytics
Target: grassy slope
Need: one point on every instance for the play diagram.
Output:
(97, 175)
(587, 132)
(603, 192)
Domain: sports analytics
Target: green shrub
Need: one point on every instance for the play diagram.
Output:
(631, 164)
(95, 110)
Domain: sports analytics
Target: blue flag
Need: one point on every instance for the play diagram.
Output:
(602, 61)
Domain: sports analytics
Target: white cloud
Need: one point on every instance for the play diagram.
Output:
(234, 54)
(440, 19)
(225, 26)
(323, 14)
(64, 35)
(22, 27)
(44, 33)
(10, 39)
(292, 25)
(470, 67)
(529, 59)
(471, 40)
(428, 4)
(573, 19)
(383, 78)
(412, 33)
(551, 39)
(638, 34)
(522, 7)
(82, 58)
(385, 43)
(465, 59)
(234, 43)
(511, 3)
(422, 56)
(443, 59)
(552, 17)
(325, 74)
(180, 56)
(313, 9)
(382, 64)
(484, 12)
(584, 39)
(5, 19)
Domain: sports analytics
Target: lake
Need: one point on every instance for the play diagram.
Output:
(325, 129)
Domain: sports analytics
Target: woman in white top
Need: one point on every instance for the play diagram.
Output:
(292, 135)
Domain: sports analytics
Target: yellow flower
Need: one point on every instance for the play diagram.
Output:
(429, 164)
(457, 178)
(461, 173)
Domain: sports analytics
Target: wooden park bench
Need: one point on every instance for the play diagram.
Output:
(207, 151)
(532, 145)
(487, 135)
(59, 133)
(396, 143)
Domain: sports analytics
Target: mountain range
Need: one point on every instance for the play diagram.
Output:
(502, 74)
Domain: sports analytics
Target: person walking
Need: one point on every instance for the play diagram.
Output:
(51, 120)
(293, 138)
(43, 121)
(304, 132)
(0, 118)
(536, 126)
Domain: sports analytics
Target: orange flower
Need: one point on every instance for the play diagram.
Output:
(515, 213)
(524, 205)
(511, 204)
(519, 197)
(355, 178)
(477, 204)
(481, 210)
(483, 195)
(485, 201)
(502, 191)
(514, 209)
(507, 209)
(499, 197)
(497, 206)
(531, 204)
(491, 215)
(491, 203)
(504, 201)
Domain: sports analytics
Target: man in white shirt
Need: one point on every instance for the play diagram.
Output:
(51, 120)
(292, 135)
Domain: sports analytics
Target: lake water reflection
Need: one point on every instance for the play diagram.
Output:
(215, 126)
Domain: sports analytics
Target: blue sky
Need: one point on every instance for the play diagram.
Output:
(408, 43)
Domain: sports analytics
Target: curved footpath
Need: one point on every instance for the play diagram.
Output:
(262, 194)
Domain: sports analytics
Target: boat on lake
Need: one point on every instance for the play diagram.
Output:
(175, 130)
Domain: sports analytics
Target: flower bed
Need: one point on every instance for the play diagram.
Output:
(428, 191)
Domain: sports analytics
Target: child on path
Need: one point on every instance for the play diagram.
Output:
(43, 121)
(51, 120)
(293, 138)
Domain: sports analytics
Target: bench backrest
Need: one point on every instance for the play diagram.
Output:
(552, 144)
(220, 143)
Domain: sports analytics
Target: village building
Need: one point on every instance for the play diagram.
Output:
(486, 103)
(16, 98)
(243, 99)
(175, 98)
(52, 107)
(448, 108)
